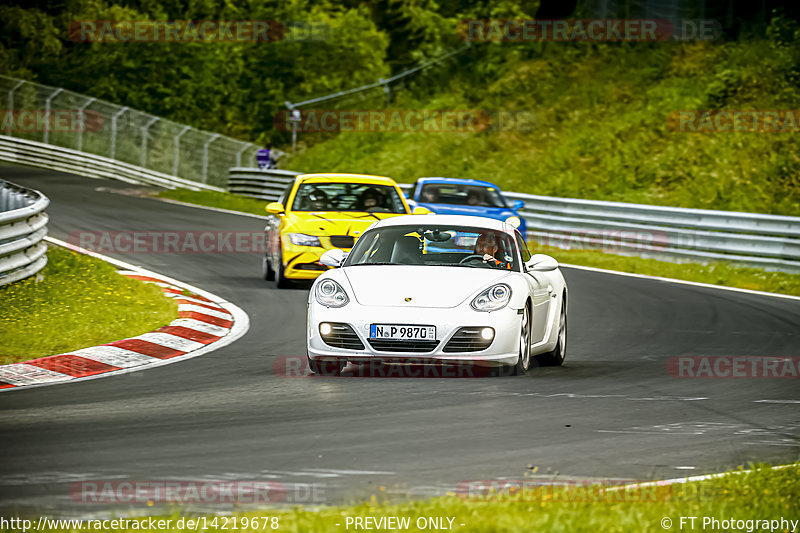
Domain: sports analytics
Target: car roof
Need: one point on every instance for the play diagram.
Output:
(346, 178)
(458, 181)
(454, 220)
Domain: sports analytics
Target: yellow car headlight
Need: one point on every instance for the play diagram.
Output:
(301, 239)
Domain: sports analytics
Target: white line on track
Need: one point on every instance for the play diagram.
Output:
(682, 282)
(204, 311)
(207, 208)
(567, 265)
(665, 482)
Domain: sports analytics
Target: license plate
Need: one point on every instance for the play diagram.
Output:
(402, 332)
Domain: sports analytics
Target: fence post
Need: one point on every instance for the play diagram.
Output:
(205, 156)
(11, 101)
(386, 90)
(144, 140)
(176, 159)
(240, 152)
(114, 130)
(82, 122)
(47, 114)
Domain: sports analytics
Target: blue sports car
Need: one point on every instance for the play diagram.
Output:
(450, 196)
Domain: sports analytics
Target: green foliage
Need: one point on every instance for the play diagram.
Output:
(233, 88)
(596, 126)
(76, 301)
(596, 122)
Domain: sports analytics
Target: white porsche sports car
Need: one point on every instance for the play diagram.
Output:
(437, 289)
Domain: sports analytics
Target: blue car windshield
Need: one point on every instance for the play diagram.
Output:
(457, 194)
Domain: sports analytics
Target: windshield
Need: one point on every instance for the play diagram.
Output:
(473, 195)
(348, 197)
(435, 245)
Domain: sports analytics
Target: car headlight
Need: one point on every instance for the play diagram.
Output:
(301, 239)
(494, 298)
(330, 294)
(513, 221)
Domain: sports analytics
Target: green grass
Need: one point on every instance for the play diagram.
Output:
(760, 494)
(714, 273)
(597, 125)
(220, 200)
(75, 302)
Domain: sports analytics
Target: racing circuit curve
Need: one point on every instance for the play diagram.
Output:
(613, 410)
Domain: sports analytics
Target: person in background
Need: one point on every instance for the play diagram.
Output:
(264, 158)
(370, 200)
(473, 197)
(430, 195)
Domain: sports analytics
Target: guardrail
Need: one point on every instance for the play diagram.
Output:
(23, 225)
(766, 241)
(37, 154)
(94, 127)
(264, 184)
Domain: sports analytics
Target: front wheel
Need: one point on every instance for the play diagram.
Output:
(281, 281)
(326, 368)
(524, 361)
(524, 357)
(266, 269)
(557, 356)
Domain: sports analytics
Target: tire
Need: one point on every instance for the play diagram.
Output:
(524, 361)
(326, 368)
(266, 269)
(281, 281)
(557, 356)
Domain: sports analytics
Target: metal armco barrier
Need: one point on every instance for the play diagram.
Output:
(95, 127)
(37, 154)
(23, 225)
(264, 184)
(766, 241)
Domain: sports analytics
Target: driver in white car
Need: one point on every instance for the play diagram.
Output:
(487, 246)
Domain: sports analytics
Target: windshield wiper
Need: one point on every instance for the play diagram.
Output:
(454, 265)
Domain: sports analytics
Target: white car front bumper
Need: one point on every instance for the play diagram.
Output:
(504, 348)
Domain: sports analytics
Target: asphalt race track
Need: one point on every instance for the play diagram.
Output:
(612, 411)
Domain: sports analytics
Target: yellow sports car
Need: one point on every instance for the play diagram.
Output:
(319, 212)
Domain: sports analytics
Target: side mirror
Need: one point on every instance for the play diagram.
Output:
(332, 258)
(275, 208)
(541, 263)
(419, 210)
(516, 205)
